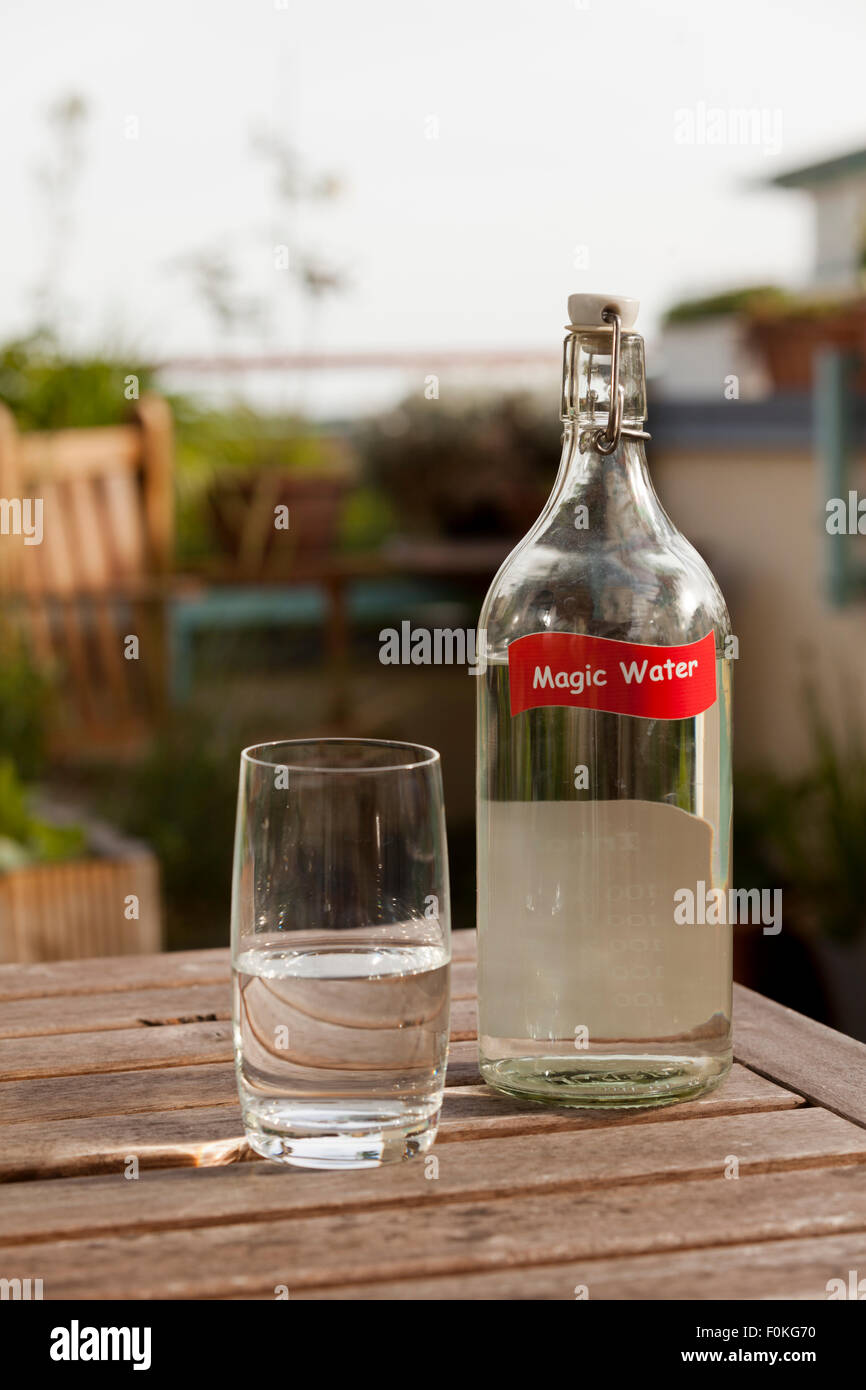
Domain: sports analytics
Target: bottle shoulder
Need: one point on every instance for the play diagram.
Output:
(636, 587)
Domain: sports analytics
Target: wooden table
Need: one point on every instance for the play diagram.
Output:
(215, 596)
(124, 1064)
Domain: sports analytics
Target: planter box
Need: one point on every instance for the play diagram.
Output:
(70, 910)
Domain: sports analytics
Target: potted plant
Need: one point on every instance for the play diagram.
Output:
(702, 337)
(480, 469)
(787, 337)
(249, 467)
(806, 836)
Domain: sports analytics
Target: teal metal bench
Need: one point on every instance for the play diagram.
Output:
(230, 607)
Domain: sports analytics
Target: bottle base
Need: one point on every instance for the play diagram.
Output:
(613, 1082)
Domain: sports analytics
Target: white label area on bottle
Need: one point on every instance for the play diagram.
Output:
(577, 930)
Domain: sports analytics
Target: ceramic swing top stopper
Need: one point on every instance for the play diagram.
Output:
(584, 310)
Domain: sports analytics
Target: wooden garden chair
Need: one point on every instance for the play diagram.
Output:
(98, 578)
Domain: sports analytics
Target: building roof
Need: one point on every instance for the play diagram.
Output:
(824, 171)
(783, 420)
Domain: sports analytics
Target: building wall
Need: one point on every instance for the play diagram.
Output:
(757, 516)
(840, 209)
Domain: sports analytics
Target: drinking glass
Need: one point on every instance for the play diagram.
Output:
(341, 949)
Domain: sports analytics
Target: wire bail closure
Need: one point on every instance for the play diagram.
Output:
(605, 438)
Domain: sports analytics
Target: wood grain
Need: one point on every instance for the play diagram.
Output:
(160, 1088)
(474, 1111)
(464, 945)
(195, 1138)
(77, 908)
(826, 1067)
(134, 1008)
(571, 1159)
(112, 1046)
(118, 1049)
(463, 1065)
(772, 1269)
(98, 1069)
(165, 1138)
(347, 1249)
(101, 975)
(94, 1094)
(172, 970)
(41, 1100)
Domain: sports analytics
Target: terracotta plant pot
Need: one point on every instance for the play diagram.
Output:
(788, 343)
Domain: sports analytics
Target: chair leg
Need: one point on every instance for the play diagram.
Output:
(180, 677)
(337, 645)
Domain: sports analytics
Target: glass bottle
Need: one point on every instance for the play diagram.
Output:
(604, 770)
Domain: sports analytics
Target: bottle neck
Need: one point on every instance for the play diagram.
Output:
(587, 369)
(614, 487)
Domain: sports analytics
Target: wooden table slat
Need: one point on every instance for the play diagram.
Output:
(43, 1099)
(358, 1248)
(166, 1045)
(104, 974)
(134, 1008)
(149, 1008)
(826, 1067)
(40, 1099)
(171, 970)
(772, 1269)
(116, 1049)
(204, 1135)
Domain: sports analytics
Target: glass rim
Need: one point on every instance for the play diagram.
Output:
(432, 755)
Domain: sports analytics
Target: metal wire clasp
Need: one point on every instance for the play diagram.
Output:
(605, 439)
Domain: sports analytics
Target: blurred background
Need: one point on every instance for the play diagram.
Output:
(310, 262)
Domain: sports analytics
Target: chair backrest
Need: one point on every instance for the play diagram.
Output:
(91, 573)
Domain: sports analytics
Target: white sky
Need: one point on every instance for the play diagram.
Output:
(556, 130)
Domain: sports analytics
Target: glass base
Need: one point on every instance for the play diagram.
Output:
(311, 1135)
(612, 1082)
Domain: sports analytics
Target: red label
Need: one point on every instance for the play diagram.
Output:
(562, 668)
